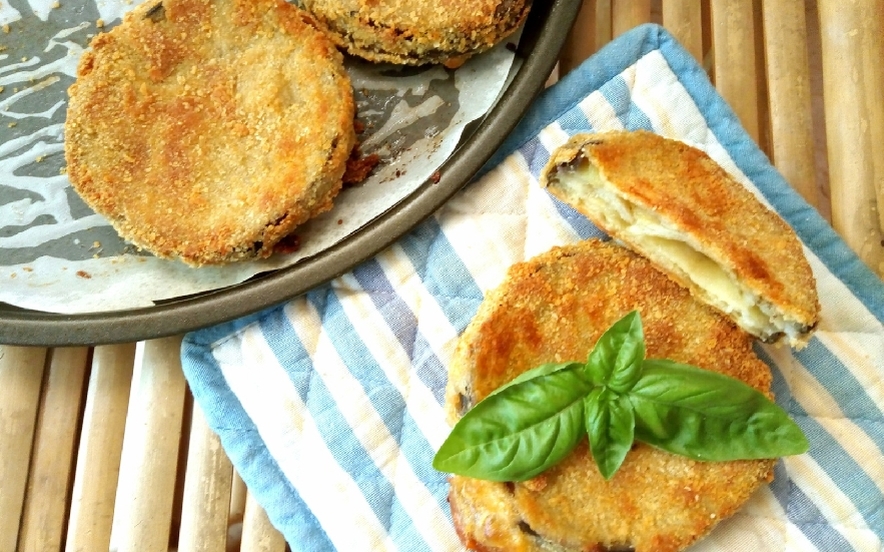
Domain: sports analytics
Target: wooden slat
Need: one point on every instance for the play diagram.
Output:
(626, 14)
(21, 377)
(258, 534)
(788, 83)
(44, 518)
(734, 66)
(145, 491)
(604, 23)
(684, 19)
(853, 80)
(238, 494)
(580, 43)
(207, 490)
(98, 455)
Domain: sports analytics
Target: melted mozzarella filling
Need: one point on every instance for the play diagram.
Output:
(582, 184)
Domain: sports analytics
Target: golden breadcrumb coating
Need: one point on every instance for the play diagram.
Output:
(207, 130)
(553, 308)
(416, 32)
(673, 204)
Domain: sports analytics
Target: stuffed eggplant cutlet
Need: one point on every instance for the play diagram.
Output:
(553, 308)
(417, 32)
(208, 130)
(673, 204)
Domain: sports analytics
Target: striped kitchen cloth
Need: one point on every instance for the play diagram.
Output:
(330, 405)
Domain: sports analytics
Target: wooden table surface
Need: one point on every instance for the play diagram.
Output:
(102, 448)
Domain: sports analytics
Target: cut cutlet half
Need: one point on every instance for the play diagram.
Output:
(553, 308)
(673, 204)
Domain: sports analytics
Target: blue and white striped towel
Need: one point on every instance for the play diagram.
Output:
(330, 406)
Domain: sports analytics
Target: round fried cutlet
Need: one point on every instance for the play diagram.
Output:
(416, 32)
(208, 130)
(554, 308)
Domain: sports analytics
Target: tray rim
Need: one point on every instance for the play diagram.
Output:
(25, 327)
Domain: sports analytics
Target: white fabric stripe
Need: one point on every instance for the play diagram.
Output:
(599, 113)
(765, 505)
(544, 228)
(370, 430)
(851, 333)
(656, 89)
(432, 322)
(825, 410)
(859, 352)
(835, 507)
(292, 438)
(392, 358)
(552, 137)
(485, 220)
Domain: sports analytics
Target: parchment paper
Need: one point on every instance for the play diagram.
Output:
(57, 255)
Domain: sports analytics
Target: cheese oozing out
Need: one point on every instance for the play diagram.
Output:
(582, 185)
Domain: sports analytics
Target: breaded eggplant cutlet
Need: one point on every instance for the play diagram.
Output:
(417, 32)
(207, 130)
(553, 308)
(676, 206)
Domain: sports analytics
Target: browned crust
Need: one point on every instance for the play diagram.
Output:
(552, 309)
(417, 32)
(208, 130)
(684, 186)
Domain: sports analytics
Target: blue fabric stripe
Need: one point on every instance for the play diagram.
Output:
(837, 379)
(243, 444)
(443, 273)
(384, 397)
(334, 429)
(805, 515)
(536, 157)
(799, 508)
(618, 93)
(846, 474)
(290, 352)
(438, 264)
(403, 323)
(574, 121)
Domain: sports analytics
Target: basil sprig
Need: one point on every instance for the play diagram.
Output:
(531, 423)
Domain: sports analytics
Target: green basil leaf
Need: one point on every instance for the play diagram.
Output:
(520, 431)
(616, 359)
(542, 370)
(610, 423)
(709, 416)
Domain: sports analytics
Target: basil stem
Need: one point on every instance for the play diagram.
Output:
(520, 431)
(709, 416)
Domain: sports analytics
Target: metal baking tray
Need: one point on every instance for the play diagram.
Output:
(542, 40)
